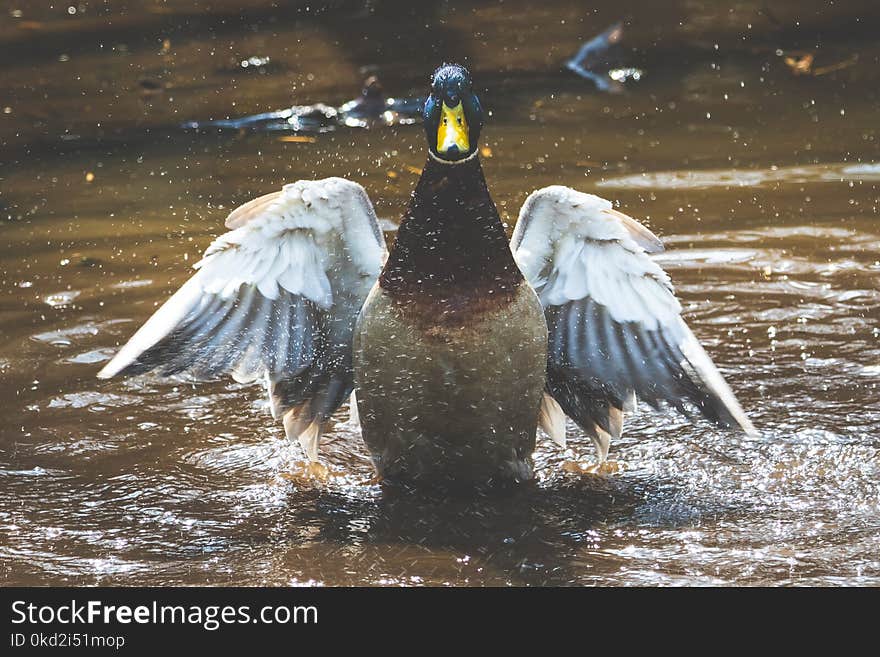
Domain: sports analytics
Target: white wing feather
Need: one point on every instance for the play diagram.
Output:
(615, 325)
(275, 299)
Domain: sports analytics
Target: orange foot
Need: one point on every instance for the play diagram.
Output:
(598, 469)
(308, 472)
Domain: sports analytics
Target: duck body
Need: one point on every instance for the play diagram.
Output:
(455, 401)
(450, 348)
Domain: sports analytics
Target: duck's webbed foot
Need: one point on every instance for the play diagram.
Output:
(308, 472)
(598, 468)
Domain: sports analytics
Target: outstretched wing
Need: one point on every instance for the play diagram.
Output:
(276, 299)
(615, 326)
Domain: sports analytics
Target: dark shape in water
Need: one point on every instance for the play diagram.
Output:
(599, 60)
(371, 106)
(149, 87)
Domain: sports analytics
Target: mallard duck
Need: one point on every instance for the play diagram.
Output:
(457, 344)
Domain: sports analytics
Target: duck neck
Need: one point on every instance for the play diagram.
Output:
(451, 241)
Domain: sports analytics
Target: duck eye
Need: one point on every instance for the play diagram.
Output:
(446, 122)
(459, 120)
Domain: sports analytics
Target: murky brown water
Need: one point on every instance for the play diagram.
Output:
(763, 184)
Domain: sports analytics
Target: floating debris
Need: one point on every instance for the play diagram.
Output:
(370, 107)
(299, 118)
(800, 65)
(598, 61)
(822, 70)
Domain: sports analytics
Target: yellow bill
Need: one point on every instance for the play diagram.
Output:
(453, 130)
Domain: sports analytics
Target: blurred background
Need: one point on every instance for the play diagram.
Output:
(745, 134)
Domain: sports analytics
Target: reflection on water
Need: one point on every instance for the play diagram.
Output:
(768, 209)
(832, 172)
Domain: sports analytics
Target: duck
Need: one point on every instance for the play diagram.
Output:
(456, 345)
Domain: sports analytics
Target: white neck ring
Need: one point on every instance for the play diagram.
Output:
(442, 161)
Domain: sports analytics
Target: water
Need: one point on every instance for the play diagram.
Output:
(763, 184)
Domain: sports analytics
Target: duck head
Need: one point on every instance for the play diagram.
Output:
(453, 115)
